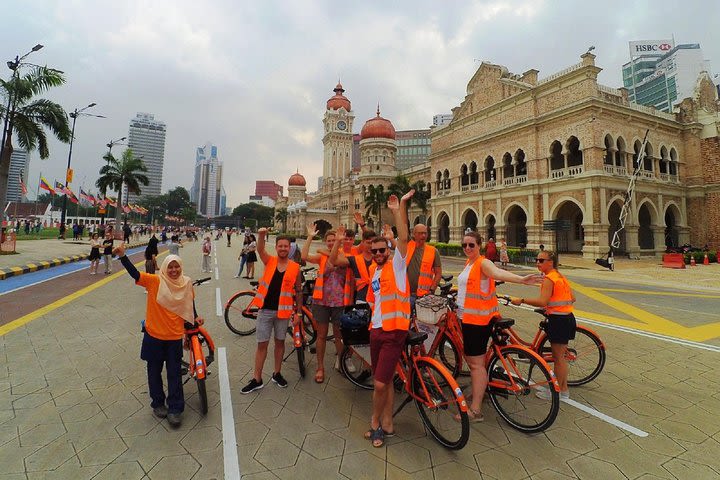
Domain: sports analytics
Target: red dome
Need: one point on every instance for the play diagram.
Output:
(296, 180)
(338, 100)
(378, 127)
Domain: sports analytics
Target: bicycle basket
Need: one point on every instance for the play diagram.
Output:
(430, 308)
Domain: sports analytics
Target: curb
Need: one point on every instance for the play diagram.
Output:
(8, 272)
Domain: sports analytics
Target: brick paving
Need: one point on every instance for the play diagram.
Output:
(74, 404)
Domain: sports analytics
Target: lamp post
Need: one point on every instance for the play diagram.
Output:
(68, 179)
(116, 142)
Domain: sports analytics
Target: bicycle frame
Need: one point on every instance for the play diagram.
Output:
(197, 366)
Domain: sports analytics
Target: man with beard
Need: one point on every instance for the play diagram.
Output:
(278, 293)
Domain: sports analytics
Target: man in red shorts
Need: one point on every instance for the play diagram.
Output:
(389, 297)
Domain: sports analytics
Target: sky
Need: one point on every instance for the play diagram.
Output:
(253, 77)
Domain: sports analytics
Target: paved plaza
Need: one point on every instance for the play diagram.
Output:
(74, 402)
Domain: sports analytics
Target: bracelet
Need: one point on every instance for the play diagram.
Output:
(522, 300)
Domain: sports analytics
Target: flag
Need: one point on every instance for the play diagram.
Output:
(45, 185)
(23, 187)
(126, 209)
(91, 198)
(85, 196)
(102, 201)
(71, 195)
(60, 188)
(111, 201)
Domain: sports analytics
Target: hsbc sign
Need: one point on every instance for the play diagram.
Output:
(644, 47)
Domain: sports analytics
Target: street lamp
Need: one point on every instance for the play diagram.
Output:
(74, 114)
(116, 142)
(13, 65)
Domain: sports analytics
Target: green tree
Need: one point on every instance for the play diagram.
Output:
(128, 171)
(281, 215)
(254, 212)
(401, 185)
(55, 200)
(178, 200)
(28, 118)
(375, 201)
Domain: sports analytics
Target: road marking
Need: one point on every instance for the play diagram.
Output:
(606, 418)
(644, 292)
(217, 274)
(230, 457)
(218, 302)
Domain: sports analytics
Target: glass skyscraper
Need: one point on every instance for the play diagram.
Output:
(146, 139)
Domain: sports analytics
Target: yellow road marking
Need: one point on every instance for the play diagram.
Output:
(17, 323)
(643, 292)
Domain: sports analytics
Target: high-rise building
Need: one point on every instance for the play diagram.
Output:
(413, 148)
(146, 139)
(207, 187)
(660, 74)
(442, 119)
(268, 188)
(19, 165)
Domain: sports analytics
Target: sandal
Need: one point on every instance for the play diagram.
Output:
(473, 415)
(387, 434)
(320, 376)
(377, 437)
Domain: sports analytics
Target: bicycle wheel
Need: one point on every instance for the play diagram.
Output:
(585, 356)
(301, 359)
(355, 365)
(202, 392)
(239, 318)
(448, 354)
(439, 405)
(516, 377)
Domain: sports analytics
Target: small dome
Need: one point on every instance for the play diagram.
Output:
(378, 127)
(296, 180)
(338, 100)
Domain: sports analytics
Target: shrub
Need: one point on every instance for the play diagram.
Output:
(700, 256)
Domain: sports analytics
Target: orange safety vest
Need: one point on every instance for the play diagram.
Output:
(425, 280)
(394, 304)
(354, 250)
(287, 288)
(348, 291)
(480, 306)
(561, 299)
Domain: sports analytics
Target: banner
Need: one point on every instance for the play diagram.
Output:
(651, 47)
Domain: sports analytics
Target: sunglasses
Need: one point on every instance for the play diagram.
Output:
(377, 250)
(541, 260)
(468, 245)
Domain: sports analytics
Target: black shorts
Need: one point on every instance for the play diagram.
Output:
(475, 338)
(561, 328)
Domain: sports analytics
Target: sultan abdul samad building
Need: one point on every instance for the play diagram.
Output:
(521, 150)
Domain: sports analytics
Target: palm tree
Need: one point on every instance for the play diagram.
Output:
(28, 117)
(401, 185)
(375, 201)
(281, 215)
(117, 173)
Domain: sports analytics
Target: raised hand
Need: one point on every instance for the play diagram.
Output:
(533, 279)
(393, 203)
(388, 232)
(311, 230)
(408, 195)
(263, 232)
(357, 216)
(340, 232)
(119, 251)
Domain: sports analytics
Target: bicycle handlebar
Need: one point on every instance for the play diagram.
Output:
(200, 281)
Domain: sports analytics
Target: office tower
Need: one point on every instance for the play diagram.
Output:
(207, 186)
(146, 139)
(268, 188)
(413, 148)
(661, 74)
(19, 165)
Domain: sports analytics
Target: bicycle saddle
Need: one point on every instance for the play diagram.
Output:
(541, 311)
(415, 338)
(447, 278)
(504, 323)
(254, 283)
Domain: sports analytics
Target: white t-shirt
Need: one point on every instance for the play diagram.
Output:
(400, 268)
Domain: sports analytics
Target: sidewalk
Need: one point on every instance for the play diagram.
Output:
(41, 254)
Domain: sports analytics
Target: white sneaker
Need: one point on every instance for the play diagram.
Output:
(542, 393)
(236, 276)
(565, 395)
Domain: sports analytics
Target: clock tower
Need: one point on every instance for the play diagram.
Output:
(338, 137)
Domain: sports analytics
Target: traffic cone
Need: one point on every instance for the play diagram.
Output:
(706, 260)
(692, 260)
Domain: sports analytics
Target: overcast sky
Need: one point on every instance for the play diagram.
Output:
(253, 77)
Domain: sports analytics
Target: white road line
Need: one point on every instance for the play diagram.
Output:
(606, 418)
(230, 457)
(218, 302)
(217, 274)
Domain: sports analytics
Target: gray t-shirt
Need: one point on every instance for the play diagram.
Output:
(413, 269)
(174, 248)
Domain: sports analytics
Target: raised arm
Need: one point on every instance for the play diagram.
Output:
(305, 254)
(489, 269)
(399, 212)
(120, 252)
(358, 217)
(262, 235)
(337, 256)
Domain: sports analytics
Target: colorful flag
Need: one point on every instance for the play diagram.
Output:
(71, 195)
(111, 201)
(126, 209)
(91, 198)
(85, 196)
(23, 187)
(60, 188)
(45, 185)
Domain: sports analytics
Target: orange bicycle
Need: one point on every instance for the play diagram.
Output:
(515, 372)
(438, 398)
(197, 365)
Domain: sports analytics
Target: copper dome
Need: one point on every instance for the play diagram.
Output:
(378, 127)
(338, 100)
(296, 180)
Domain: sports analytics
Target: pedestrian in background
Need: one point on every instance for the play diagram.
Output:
(491, 250)
(94, 253)
(504, 258)
(206, 249)
(151, 253)
(243, 255)
(251, 257)
(175, 245)
(107, 250)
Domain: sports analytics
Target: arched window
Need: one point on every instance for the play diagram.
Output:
(636, 153)
(674, 170)
(574, 156)
(664, 159)
(507, 166)
(489, 169)
(520, 165)
(648, 159)
(473, 173)
(446, 180)
(464, 177)
(620, 153)
(557, 160)
(609, 149)
(438, 181)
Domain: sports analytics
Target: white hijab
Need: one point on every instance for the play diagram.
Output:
(176, 296)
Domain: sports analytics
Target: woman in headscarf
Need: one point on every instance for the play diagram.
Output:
(170, 303)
